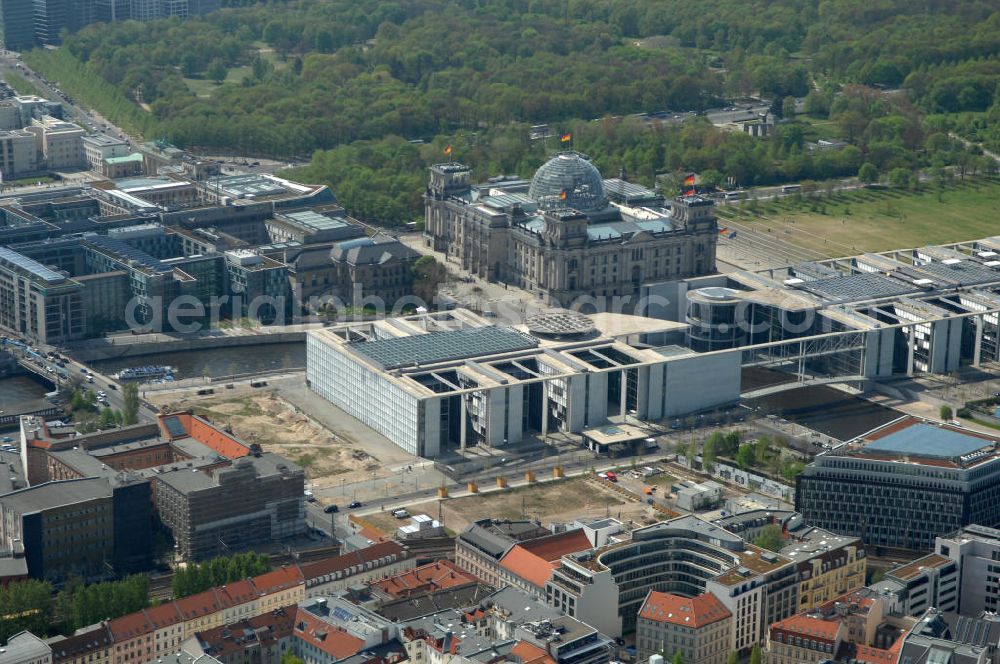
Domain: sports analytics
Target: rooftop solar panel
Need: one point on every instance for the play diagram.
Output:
(444, 346)
(963, 272)
(128, 253)
(30, 265)
(855, 287)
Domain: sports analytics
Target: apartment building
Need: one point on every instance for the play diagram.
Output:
(930, 581)
(699, 628)
(479, 548)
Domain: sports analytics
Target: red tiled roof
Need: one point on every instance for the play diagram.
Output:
(817, 629)
(221, 642)
(328, 638)
(535, 559)
(236, 593)
(346, 561)
(434, 576)
(699, 611)
(146, 621)
(198, 605)
(278, 580)
(529, 653)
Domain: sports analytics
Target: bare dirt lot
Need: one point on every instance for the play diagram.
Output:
(549, 502)
(329, 458)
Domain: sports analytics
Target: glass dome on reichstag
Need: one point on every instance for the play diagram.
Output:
(568, 180)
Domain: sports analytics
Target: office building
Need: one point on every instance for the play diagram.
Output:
(19, 154)
(949, 637)
(699, 628)
(929, 581)
(37, 302)
(605, 587)
(86, 527)
(976, 550)
(904, 484)
(97, 148)
(256, 499)
(60, 142)
(568, 233)
(450, 380)
(17, 21)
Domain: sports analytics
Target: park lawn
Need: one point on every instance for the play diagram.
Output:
(817, 129)
(202, 87)
(882, 219)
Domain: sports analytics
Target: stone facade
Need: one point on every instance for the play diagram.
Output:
(570, 234)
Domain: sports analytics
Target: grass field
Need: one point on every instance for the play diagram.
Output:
(202, 87)
(879, 219)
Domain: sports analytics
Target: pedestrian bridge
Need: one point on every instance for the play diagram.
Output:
(801, 382)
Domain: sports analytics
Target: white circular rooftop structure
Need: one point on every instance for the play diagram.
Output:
(568, 180)
(560, 325)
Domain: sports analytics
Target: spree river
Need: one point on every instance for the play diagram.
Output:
(217, 361)
(17, 389)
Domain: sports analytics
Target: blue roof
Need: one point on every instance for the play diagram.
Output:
(926, 440)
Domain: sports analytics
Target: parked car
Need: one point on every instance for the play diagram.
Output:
(400, 513)
(612, 477)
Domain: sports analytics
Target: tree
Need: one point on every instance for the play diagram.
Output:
(899, 178)
(428, 274)
(770, 538)
(130, 393)
(290, 658)
(189, 64)
(708, 452)
(217, 71)
(745, 456)
(788, 107)
(25, 605)
(711, 179)
(868, 173)
(945, 412)
(678, 658)
(733, 658)
(755, 655)
(196, 577)
(731, 443)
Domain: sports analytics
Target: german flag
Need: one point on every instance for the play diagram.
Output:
(689, 181)
(689, 192)
(447, 151)
(562, 195)
(566, 138)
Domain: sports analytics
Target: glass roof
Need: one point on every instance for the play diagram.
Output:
(568, 180)
(444, 346)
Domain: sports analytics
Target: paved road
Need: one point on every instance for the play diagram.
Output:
(88, 118)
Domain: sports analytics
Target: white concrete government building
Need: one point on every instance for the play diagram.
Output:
(442, 381)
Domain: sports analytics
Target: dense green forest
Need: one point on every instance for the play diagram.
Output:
(363, 80)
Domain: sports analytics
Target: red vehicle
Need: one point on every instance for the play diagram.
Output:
(612, 477)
